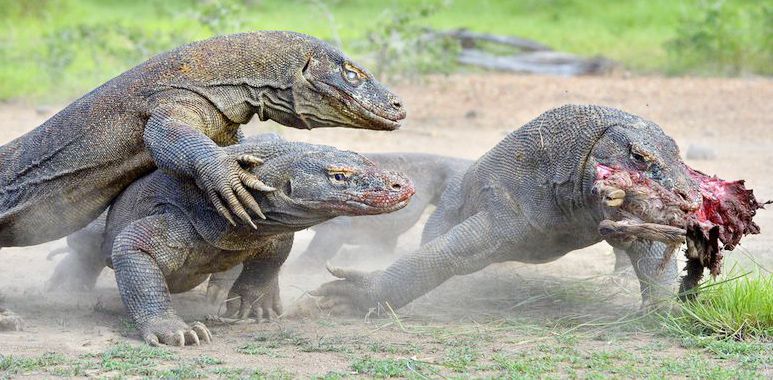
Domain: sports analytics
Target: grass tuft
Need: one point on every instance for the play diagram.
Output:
(740, 308)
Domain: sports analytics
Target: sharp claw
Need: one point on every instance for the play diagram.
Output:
(249, 159)
(616, 202)
(253, 182)
(346, 274)
(335, 271)
(220, 207)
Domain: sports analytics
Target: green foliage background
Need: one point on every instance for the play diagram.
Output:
(58, 49)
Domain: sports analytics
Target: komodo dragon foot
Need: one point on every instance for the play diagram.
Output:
(174, 332)
(262, 303)
(349, 295)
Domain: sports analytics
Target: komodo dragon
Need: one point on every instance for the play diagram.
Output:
(430, 174)
(173, 112)
(376, 234)
(547, 189)
(163, 236)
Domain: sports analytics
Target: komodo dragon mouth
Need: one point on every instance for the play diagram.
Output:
(645, 209)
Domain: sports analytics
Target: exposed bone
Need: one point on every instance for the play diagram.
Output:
(626, 230)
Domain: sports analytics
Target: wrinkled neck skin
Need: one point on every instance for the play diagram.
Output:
(240, 102)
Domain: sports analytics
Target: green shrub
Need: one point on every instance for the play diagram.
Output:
(737, 308)
(721, 37)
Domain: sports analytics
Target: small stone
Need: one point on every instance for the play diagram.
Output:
(471, 114)
(700, 152)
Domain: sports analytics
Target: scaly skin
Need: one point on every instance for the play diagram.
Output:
(175, 112)
(374, 234)
(429, 174)
(530, 199)
(165, 236)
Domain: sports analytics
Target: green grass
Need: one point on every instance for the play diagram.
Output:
(740, 307)
(55, 49)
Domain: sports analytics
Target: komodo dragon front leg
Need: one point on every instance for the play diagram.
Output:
(256, 290)
(143, 253)
(181, 136)
(466, 248)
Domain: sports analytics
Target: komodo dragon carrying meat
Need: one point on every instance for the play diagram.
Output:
(173, 112)
(569, 178)
(163, 236)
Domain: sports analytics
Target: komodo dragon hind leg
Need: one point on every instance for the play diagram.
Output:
(138, 253)
(466, 248)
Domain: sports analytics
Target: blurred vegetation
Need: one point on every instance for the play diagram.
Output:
(57, 49)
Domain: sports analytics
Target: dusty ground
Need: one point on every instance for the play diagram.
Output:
(568, 318)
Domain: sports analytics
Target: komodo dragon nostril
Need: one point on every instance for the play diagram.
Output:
(396, 186)
(396, 104)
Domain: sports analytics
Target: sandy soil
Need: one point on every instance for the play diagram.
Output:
(460, 115)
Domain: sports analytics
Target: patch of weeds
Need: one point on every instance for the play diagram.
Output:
(725, 37)
(133, 360)
(701, 368)
(460, 358)
(205, 361)
(740, 308)
(257, 349)
(274, 374)
(181, 371)
(325, 344)
(228, 373)
(331, 376)
(387, 367)
(525, 366)
(750, 355)
(44, 363)
(395, 348)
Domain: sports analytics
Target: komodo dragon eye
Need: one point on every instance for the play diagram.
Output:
(338, 176)
(639, 157)
(352, 74)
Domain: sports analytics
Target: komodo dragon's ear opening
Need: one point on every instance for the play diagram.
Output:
(288, 188)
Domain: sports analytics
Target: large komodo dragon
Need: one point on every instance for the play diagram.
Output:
(543, 192)
(174, 112)
(163, 236)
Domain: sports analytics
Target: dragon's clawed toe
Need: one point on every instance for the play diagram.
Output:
(174, 332)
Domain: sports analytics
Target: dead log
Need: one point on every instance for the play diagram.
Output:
(538, 62)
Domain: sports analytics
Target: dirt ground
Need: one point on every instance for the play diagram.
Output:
(568, 318)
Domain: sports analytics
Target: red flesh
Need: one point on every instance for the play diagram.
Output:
(725, 213)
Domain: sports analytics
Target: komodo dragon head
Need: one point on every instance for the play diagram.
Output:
(316, 183)
(327, 88)
(647, 191)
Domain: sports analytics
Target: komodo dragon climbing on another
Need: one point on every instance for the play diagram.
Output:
(174, 112)
(570, 178)
(163, 236)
